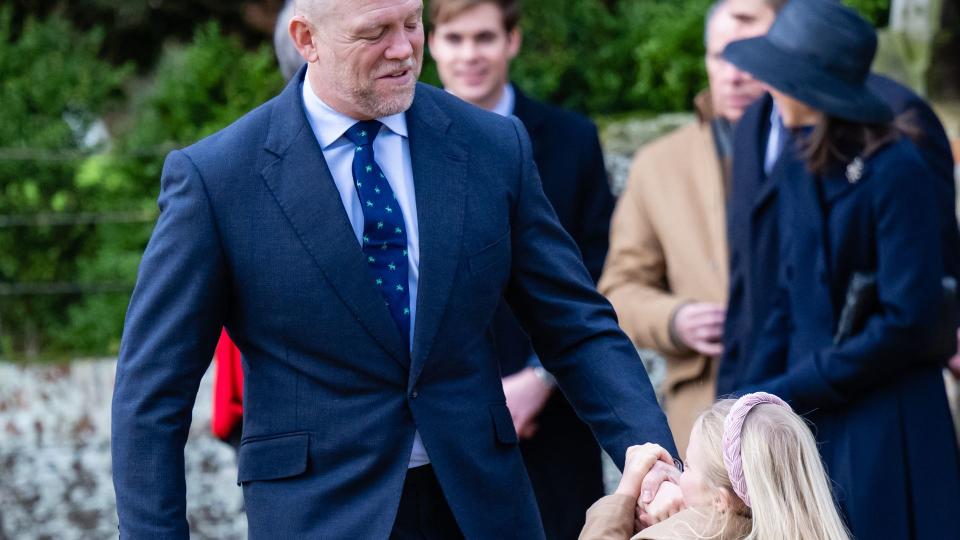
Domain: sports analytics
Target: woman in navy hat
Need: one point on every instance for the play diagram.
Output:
(861, 292)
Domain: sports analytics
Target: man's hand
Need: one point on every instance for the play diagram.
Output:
(638, 464)
(699, 325)
(526, 395)
(954, 363)
(669, 501)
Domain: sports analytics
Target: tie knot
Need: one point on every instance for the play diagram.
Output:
(363, 133)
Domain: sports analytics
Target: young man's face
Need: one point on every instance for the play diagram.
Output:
(473, 53)
(753, 17)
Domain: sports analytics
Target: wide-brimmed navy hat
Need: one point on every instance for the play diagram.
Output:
(819, 52)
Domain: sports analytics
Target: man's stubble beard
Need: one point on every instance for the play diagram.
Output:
(366, 98)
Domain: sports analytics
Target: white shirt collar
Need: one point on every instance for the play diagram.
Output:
(508, 100)
(329, 125)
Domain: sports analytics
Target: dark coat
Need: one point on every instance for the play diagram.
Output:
(752, 223)
(333, 395)
(562, 458)
(878, 406)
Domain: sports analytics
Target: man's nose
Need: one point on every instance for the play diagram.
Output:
(400, 46)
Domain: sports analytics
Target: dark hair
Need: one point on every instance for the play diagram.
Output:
(441, 11)
(835, 142)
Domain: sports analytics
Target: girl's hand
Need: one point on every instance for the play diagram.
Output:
(669, 501)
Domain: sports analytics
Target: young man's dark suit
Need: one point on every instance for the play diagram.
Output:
(253, 236)
(752, 224)
(562, 458)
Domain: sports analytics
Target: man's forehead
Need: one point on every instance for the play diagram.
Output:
(485, 17)
(747, 9)
(721, 30)
(372, 12)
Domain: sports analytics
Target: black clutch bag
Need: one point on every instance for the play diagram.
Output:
(861, 302)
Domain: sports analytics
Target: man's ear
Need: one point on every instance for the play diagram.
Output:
(302, 33)
(515, 38)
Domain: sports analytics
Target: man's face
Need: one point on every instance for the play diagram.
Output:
(368, 55)
(731, 89)
(473, 53)
(752, 17)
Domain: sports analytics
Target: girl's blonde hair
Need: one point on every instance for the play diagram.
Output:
(789, 492)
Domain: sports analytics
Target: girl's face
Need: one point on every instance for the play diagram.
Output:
(697, 491)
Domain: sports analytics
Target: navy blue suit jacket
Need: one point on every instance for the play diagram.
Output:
(752, 224)
(252, 235)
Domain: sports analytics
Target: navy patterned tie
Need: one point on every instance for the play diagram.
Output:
(384, 237)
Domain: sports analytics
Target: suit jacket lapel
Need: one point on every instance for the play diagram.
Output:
(297, 176)
(439, 175)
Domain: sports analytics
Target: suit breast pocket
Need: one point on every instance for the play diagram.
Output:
(488, 256)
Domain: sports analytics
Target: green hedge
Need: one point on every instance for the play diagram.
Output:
(600, 57)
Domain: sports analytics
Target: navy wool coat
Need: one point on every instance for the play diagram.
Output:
(879, 407)
(752, 222)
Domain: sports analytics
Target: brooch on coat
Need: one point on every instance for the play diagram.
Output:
(855, 170)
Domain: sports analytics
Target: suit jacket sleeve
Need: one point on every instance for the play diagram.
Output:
(596, 200)
(635, 279)
(573, 329)
(909, 269)
(171, 329)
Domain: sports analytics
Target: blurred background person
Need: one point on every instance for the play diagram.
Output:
(288, 58)
(666, 273)
(752, 209)
(473, 43)
(855, 199)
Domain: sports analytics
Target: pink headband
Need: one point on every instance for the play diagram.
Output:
(732, 429)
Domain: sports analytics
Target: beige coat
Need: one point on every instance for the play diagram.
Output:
(667, 247)
(611, 518)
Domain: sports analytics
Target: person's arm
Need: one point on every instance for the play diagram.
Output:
(171, 329)
(634, 279)
(573, 328)
(909, 271)
(610, 518)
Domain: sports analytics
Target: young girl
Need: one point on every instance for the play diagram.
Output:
(752, 472)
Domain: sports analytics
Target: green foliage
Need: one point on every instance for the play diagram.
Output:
(603, 57)
(197, 89)
(54, 88)
(875, 11)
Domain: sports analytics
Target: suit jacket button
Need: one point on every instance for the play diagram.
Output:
(414, 394)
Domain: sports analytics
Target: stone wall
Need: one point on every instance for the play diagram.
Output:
(55, 458)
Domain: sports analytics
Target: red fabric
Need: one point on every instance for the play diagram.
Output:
(227, 388)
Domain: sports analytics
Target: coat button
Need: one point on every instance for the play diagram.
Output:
(414, 394)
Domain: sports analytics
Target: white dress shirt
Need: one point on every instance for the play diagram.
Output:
(391, 149)
(775, 140)
(508, 100)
